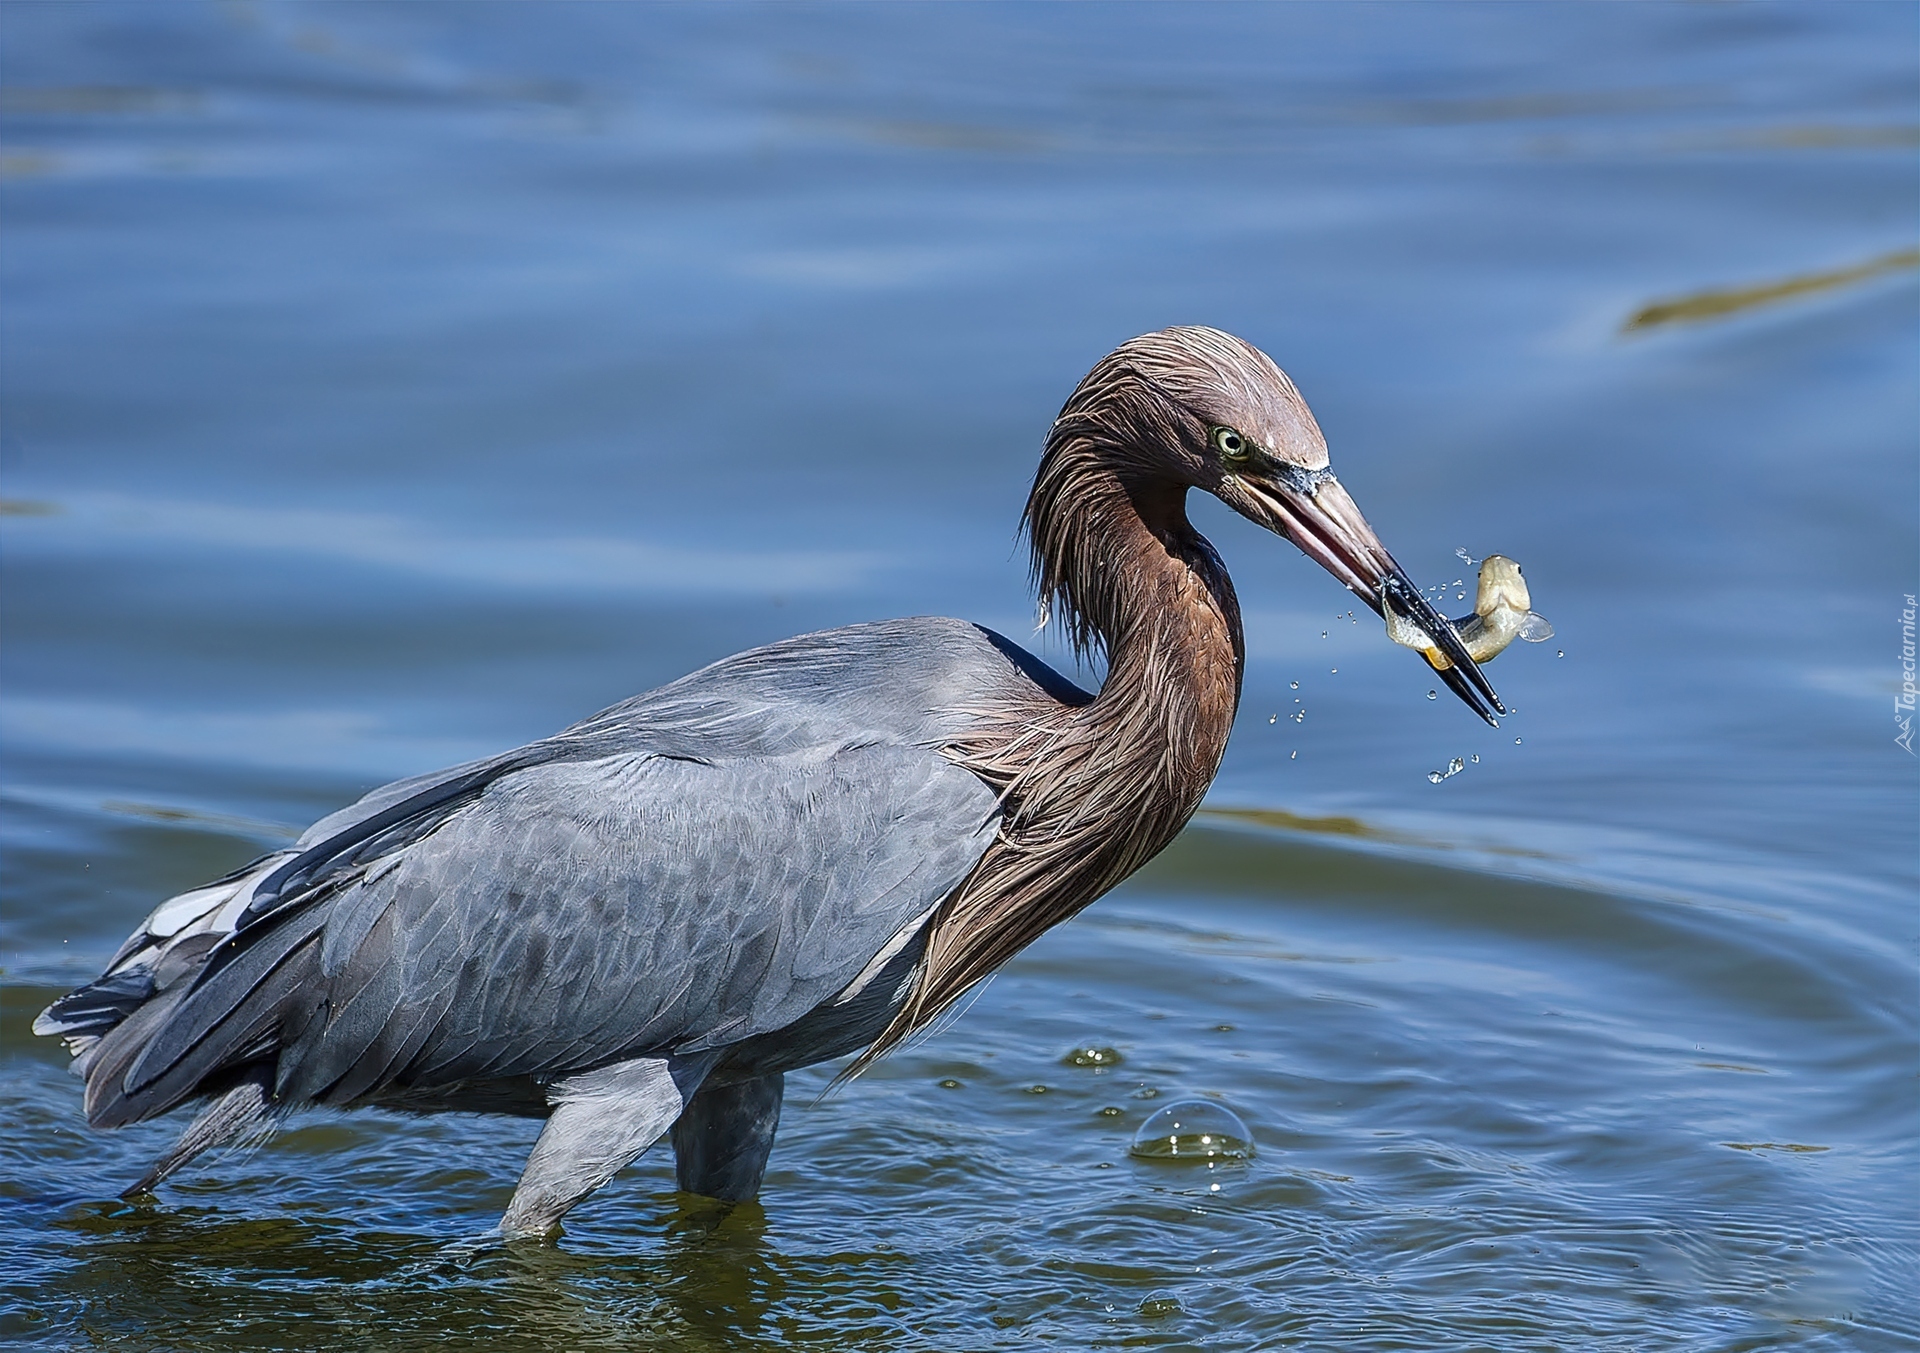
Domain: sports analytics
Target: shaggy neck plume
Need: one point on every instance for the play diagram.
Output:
(1091, 792)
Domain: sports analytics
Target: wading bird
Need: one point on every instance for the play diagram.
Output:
(635, 927)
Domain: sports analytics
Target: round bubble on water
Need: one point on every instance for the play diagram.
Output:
(1092, 1054)
(1193, 1129)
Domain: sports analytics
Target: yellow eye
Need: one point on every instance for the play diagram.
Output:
(1231, 444)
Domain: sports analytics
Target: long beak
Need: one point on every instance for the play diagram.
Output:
(1318, 515)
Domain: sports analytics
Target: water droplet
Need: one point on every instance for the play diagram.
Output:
(1091, 1054)
(1293, 756)
(1434, 777)
(1323, 634)
(1561, 654)
(1111, 1111)
(1476, 758)
(1223, 1028)
(1455, 766)
(1193, 1129)
(1335, 671)
(1516, 742)
(1433, 695)
(1146, 1092)
(1295, 685)
(1036, 1089)
(1273, 718)
(1466, 558)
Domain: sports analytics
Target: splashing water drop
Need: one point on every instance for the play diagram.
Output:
(1465, 558)
(1193, 1130)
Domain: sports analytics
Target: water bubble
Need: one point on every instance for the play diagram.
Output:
(950, 1084)
(1036, 1090)
(1091, 1054)
(1433, 695)
(1193, 1129)
(1111, 1111)
(1146, 1092)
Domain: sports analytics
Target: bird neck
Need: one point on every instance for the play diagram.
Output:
(1164, 612)
(1092, 791)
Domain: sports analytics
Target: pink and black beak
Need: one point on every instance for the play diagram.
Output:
(1310, 508)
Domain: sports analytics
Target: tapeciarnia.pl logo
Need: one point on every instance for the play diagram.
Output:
(1903, 702)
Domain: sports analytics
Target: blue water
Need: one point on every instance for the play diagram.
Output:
(384, 385)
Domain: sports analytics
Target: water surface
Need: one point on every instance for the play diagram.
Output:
(387, 385)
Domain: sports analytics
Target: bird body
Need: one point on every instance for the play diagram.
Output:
(635, 927)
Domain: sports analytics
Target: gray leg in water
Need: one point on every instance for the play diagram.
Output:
(240, 1112)
(602, 1121)
(720, 1143)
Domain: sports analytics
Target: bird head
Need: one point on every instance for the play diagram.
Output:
(1206, 410)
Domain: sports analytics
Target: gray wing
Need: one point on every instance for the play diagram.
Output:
(578, 912)
(695, 867)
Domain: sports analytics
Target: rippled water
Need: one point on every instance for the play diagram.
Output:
(385, 385)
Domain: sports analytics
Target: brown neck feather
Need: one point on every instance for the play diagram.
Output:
(1092, 792)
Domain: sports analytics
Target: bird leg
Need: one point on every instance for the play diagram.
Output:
(602, 1121)
(721, 1141)
(241, 1111)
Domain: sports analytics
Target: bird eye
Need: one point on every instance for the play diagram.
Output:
(1231, 444)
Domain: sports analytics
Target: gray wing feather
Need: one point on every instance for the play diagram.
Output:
(695, 867)
(581, 912)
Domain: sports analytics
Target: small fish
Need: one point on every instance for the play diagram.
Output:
(1501, 614)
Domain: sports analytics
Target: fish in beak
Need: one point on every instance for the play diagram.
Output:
(1312, 509)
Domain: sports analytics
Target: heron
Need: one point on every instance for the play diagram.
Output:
(633, 929)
